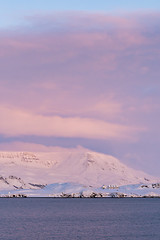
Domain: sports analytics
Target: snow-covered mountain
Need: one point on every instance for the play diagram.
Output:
(78, 165)
(13, 182)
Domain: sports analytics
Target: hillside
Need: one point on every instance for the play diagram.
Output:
(79, 166)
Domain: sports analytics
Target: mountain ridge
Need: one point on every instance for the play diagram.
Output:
(81, 166)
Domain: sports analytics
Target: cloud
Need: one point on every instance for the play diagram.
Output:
(34, 147)
(15, 122)
(80, 75)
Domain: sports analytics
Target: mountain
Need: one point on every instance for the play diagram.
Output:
(14, 183)
(24, 170)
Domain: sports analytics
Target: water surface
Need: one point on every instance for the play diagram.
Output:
(105, 218)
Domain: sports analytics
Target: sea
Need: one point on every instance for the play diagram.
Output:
(80, 218)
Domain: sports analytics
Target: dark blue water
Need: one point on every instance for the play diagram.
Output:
(49, 218)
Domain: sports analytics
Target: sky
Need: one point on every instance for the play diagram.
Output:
(82, 73)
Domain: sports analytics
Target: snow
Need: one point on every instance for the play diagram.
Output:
(71, 171)
(79, 190)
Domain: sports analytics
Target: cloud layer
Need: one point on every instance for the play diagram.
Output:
(82, 65)
(17, 123)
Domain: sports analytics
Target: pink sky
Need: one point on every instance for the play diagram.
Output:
(91, 77)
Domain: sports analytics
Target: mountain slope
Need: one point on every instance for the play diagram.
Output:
(75, 165)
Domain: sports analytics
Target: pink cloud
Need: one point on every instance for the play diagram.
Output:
(14, 122)
(33, 147)
(70, 66)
